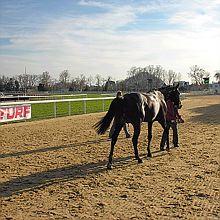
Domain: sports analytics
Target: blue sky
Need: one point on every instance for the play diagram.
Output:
(108, 37)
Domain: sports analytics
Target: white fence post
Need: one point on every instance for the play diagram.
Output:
(103, 105)
(55, 109)
(84, 106)
(69, 108)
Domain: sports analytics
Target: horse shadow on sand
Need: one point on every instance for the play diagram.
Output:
(40, 180)
(208, 114)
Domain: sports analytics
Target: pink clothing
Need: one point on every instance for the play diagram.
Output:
(172, 112)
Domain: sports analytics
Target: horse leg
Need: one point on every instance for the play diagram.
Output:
(149, 138)
(163, 140)
(175, 134)
(165, 136)
(116, 132)
(137, 129)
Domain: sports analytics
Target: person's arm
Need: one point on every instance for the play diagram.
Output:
(178, 116)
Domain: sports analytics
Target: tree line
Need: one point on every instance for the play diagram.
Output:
(45, 82)
(138, 79)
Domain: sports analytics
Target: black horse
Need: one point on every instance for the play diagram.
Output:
(136, 108)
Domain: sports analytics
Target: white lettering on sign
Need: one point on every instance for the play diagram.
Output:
(13, 113)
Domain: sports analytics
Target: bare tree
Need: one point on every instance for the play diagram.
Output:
(3, 82)
(99, 81)
(90, 80)
(145, 79)
(159, 73)
(134, 74)
(171, 77)
(74, 85)
(10, 85)
(45, 78)
(64, 78)
(23, 80)
(33, 80)
(82, 82)
(26, 81)
(197, 74)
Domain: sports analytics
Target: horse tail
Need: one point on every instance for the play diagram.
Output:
(102, 125)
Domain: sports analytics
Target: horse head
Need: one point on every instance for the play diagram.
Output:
(172, 93)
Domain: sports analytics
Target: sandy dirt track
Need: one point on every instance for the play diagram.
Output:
(56, 169)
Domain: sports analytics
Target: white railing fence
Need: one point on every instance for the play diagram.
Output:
(63, 107)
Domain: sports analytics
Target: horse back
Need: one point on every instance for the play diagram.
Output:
(134, 107)
(143, 106)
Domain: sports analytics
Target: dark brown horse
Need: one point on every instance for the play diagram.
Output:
(135, 108)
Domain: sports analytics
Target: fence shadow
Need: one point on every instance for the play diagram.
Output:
(208, 114)
(54, 148)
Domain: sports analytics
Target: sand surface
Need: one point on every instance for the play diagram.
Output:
(56, 169)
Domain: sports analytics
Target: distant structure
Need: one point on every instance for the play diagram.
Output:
(215, 87)
(183, 85)
(110, 86)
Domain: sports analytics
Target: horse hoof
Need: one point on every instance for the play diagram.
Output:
(161, 149)
(149, 155)
(140, 160)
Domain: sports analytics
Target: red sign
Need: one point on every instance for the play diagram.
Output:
(13, 113)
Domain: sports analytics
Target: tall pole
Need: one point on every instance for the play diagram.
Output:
(25, 73)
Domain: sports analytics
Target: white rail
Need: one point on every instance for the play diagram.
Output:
(55, 109)
(49, 97)
(55, 100)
